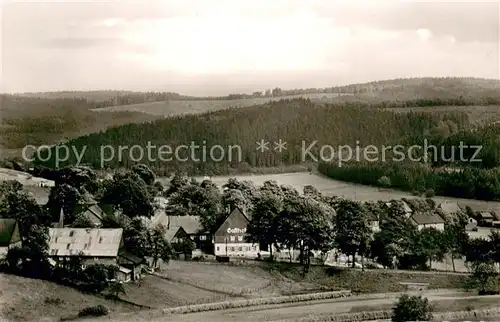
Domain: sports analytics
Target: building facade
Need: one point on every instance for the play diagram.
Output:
(428, 220)
(231, 237)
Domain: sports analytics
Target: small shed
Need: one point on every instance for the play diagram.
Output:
(124, 274)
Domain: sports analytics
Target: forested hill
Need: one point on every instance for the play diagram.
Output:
(297, 122)
(477, 91)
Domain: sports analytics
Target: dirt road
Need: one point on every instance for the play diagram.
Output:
(293, 311)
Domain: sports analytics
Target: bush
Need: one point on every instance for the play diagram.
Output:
(412, 308)
(98, 310)
(384, 181)
(429, 193)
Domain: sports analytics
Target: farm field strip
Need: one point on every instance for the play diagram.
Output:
(169, 108)
(291, 313)
(348, 190)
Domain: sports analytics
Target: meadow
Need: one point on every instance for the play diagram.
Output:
(345, 189)
(179, 107)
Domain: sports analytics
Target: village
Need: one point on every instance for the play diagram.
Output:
(229, 241)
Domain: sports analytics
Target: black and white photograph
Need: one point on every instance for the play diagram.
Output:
(249, 161)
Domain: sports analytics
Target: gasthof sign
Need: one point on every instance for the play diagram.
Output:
(236, 230)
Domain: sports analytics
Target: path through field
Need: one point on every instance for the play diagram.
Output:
(345, 189)
(294, 311)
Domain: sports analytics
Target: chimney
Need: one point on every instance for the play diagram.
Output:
(61, 218)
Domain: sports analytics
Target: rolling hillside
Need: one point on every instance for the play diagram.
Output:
(298, 122)
(393, 93)
(48, 118)
(177, 107)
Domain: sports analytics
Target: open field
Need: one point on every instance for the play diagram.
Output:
(247, 281)
(369, 281)
(169, 108)
(24, 299)
(319, 309)
(157, 292)
(348, 190)
(327, 186)
(25, 178)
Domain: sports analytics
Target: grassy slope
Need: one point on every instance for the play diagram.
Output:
(169, 108)
(389, 90)
(370, 281)
(24, 299)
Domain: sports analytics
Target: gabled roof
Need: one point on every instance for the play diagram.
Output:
(486, 215)
(92, 242)
(127, 258)
(426, 218)
(238, 210)
(8, 235)
(190, 224)
(92, 212)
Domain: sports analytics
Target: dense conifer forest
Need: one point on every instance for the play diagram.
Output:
(299, 122)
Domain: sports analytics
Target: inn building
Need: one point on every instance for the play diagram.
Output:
(230, 239)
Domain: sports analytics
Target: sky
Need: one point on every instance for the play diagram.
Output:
(217, 47)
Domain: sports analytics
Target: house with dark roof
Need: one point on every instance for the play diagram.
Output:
(230, 238)
(485, 219)
(428, 220)
(90, 209)
(185, 228)
(132, 263)
(9, 236)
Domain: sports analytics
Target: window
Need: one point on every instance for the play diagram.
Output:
(217, 248)
(71, 233)
(68, 246)
(232, 249)
(203, 237)
(240, 238)
(245, 248)
(254, 248)
(232, 238)
(239, 249)
(85, 246)
(100, 240)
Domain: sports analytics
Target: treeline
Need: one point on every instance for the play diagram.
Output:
(305, 126)
(467, 182)
(446, 146)
(128, 197)
(40, 121)
(474, 91)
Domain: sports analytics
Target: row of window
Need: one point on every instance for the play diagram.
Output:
(236, 238)
(240, 249)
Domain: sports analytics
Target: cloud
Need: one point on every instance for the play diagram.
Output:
(80, 42)
(224, 46)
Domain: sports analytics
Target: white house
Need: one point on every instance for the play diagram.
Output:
(230, 239)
